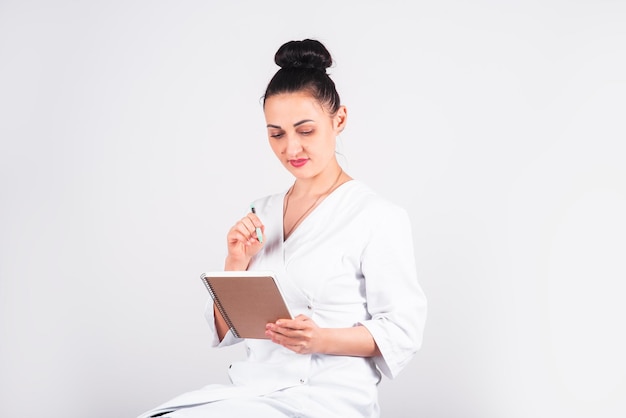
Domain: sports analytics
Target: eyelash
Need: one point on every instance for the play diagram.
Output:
(280, 135)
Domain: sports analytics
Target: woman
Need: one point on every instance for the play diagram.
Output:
(343, 256)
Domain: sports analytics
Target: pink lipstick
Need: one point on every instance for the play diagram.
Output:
(298, 163)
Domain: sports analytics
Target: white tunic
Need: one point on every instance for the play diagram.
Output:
(349, 262)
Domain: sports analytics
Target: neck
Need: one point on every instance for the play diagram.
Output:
(318, 185)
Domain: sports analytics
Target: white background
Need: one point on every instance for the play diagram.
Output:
(132, 137)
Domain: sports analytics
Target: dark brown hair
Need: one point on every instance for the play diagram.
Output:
(303, 67)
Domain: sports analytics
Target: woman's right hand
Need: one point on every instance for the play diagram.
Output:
(243, 243)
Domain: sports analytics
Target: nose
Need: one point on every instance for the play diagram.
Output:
(293, 146)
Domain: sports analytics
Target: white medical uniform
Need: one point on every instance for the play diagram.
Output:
(350, 262)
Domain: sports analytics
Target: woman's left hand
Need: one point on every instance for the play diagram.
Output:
(300, 334)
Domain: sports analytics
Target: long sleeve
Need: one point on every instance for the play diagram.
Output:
(395, 300)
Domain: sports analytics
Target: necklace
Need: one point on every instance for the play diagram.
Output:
(306, 212)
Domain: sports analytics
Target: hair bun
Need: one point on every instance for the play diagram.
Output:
(308, 53)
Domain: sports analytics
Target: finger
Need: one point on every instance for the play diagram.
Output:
(237, 237)
(300, 322)
(248, 225)
(279, 333)
(238, 234)
(247, 230)
(289, 342)
(295, 335)
(256, 222)
(258, 227)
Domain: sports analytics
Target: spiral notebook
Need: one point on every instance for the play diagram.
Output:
(247, 300)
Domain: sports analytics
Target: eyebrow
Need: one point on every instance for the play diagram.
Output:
(269, 125)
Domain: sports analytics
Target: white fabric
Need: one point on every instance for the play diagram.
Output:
(350, 262)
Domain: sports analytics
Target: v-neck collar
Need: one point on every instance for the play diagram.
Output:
(311, 214)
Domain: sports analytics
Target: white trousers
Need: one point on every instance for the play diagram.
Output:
(258, 407)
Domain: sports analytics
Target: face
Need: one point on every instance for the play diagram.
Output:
(302, 133)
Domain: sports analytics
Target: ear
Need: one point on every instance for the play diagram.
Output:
(340, 119)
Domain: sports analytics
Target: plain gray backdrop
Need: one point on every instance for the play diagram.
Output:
(132, 137)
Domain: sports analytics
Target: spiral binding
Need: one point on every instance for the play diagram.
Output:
(219, 306)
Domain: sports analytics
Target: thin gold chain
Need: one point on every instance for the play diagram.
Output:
(310, 207)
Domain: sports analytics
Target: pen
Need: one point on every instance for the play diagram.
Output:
(259, 235)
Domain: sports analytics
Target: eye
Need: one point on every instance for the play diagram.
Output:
(277, 135)
(308, 132)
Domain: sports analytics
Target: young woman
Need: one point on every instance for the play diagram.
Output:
(343, 256)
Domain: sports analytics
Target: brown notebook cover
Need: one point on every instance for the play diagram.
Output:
(247, 300)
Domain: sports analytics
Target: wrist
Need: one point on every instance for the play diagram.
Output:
(236, 264)
(326, 341)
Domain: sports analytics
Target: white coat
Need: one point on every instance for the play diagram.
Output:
(349, 262)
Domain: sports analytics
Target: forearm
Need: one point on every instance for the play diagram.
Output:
(355, 341)
(220, 325)
(303, 336)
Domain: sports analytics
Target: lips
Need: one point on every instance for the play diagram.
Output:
(298, 163)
